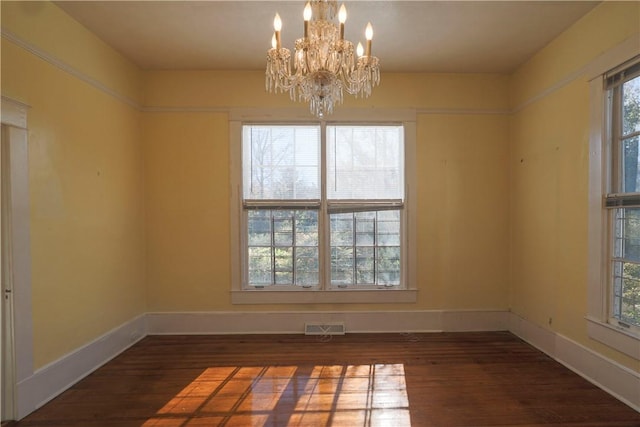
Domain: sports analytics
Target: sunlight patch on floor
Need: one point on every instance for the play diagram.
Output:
(353, 395)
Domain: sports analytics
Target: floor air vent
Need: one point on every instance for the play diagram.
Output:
(324, 329)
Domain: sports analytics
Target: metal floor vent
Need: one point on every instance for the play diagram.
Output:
(324, 329)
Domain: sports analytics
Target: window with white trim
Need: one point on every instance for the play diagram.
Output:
(623, 195)
(323, 207)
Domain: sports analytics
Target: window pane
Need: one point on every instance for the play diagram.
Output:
(626, 266)
(626, 294)
(388, 227)
(365, 265)
(260, 266)
(283, 228)
(307, 266)
(281, 162)
(342, 264)
(365, 248)
(342, 229)
(627, 238)
(631, 179)
(389, 265)
(259, 228)
(365, 162)
(631, 106)
(306, 223)
(365, 228)
(283, 266)
(283, 247)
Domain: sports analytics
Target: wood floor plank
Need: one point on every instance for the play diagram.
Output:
(398, 380)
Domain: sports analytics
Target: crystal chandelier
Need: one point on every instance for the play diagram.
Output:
(324, 62)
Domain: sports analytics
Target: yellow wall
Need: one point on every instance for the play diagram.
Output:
(86, 184)
(245, 89)
(548, 164)
(187, 198)
(462, 225)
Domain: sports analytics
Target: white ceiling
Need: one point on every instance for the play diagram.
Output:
(409, 36)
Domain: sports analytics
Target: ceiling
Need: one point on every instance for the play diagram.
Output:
(409, 36)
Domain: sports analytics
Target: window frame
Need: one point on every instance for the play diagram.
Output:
(406, 293)
(601, 325)
(616, 198)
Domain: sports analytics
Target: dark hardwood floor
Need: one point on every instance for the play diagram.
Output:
(396, 380)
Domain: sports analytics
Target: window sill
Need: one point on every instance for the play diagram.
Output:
(381, 296)
(616, 338)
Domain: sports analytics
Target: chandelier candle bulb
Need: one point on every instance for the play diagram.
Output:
(342, 17)
(277, 25)
(306, 15)
(368, 33)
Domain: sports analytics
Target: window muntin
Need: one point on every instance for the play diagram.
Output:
(284, 213)
(624, 197)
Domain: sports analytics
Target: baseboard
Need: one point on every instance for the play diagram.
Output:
(607, 374)
(51, 380)
(54, 378)
(355, 322)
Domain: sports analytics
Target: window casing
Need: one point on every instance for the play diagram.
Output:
(609, 197)
(315, 236)
(623, 196)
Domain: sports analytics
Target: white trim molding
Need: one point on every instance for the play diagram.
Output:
(617, 380)
(51, 380)
(303, 296)
(15, 164)
(63, 66)
(594, 68)
(14, 113)
(614, 337)
(292, 322)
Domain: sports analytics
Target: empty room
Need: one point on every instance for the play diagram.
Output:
(281, 213)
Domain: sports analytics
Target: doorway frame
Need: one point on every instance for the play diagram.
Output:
(14, 118)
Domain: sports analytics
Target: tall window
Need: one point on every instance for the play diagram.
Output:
(623, 198)
(323, 206)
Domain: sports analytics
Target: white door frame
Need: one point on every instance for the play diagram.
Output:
(15, 168)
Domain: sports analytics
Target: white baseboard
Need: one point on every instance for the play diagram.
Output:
(355, 322)
(54, 378)
(51, 380)
(615, 379)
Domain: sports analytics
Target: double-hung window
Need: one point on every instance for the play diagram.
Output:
(623, 197)
(322, 207)
(613, 274)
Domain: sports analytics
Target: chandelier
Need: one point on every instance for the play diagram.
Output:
(324, 63)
